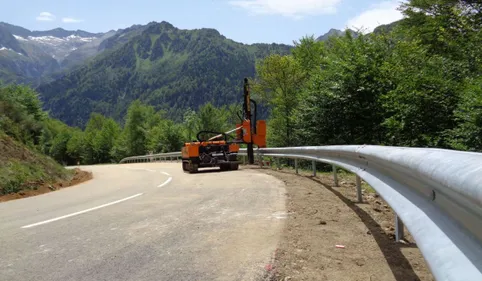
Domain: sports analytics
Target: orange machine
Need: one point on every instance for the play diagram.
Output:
(213, 152)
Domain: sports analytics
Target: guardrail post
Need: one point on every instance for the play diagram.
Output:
(313, 163)
(335, 175)
(398, 229)
(358, 189)
(244, 160)
(296, 165)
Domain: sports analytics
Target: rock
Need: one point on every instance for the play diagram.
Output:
(322, 222)
(22, 193)
(392, 228)
(376, 195)
(378, 202)
(403, 242)
(385, 224)
(369, 232)
(376, 209)
(287, 278)
(386, 206)
(51, 187)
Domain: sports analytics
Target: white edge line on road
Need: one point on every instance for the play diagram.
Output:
(165, 174)
(82, 212)
(142, 169)
(166, 182)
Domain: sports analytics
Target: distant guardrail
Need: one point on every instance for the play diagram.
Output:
(436, 193)
(151, 157)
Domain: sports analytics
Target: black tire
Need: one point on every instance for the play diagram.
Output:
(224, 167)
(193, 168)
(234, 166)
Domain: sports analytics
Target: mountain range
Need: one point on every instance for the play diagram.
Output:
(77, 72)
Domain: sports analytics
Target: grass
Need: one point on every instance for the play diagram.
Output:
(23, 168)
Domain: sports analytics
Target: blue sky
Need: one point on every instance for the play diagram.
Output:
(247, 21)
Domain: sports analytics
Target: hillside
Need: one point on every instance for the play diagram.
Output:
(169, 68)
(22, 168)
(27, 135)
(25, 172)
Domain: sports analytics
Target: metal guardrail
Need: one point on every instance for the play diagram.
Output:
(437, 194)
(151, 157)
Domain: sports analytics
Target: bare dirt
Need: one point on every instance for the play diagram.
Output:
(321, 216)
(37, 188)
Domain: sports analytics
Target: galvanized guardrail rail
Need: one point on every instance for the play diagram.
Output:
(437, 194)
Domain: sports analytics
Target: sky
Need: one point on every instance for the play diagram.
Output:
(246, 21)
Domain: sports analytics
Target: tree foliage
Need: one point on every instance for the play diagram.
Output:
(279, 82)
(104, 140)
(416, 83)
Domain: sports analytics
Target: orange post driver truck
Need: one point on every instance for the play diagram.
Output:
(222, 149)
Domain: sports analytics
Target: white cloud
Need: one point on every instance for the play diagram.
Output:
(45, 16)
(382, 13)
(71, 20)
(288, 8)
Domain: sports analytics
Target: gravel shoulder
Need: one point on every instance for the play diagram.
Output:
(321, 216)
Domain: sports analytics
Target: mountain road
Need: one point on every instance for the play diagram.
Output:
(148, 221)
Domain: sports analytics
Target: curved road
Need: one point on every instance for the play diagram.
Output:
(145, 222)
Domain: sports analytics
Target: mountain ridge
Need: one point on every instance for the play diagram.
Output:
(170, 68)
(57, 32)
(34, 57)
(335, 32)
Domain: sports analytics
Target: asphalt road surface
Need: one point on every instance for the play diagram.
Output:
(145, 222)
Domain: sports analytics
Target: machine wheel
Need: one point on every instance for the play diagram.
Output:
(234, 166)
(224, 167)
(185, 165)
(193, 168)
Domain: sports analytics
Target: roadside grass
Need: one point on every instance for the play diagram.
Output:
(22, 168)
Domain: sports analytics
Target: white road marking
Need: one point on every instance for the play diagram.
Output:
(165, 174)
(142, 169)
(82, 212)
(166, 182)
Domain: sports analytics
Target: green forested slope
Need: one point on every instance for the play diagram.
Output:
(166, 67)
(23, 140)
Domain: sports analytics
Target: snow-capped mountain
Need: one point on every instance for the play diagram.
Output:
(57, 47)
(27, 56)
